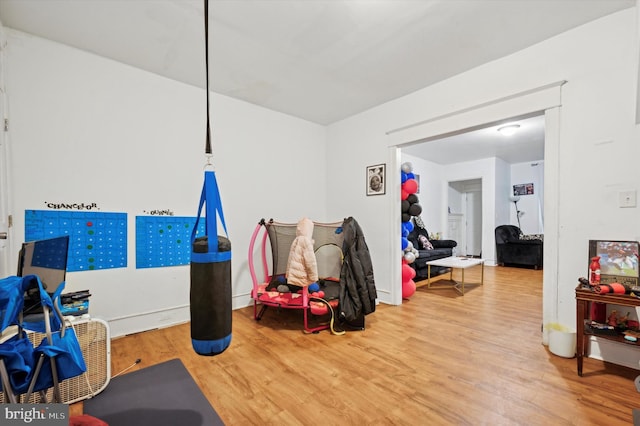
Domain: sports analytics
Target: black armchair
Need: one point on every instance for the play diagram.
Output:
(513, 250)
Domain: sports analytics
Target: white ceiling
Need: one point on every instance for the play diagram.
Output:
(527, 144)
(320, 60)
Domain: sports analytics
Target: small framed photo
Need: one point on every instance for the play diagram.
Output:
(376, 179)
(523, 189)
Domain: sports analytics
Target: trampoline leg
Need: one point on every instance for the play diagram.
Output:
(314, 330)
(259, 315)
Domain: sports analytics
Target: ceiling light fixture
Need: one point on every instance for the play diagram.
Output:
(509, 130)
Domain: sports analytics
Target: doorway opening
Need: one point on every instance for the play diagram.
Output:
(469, 176)
(544, 100)
(465, 216)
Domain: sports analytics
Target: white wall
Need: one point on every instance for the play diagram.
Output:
(430, 196)
(532, 221)
(454, 204)
(597, 149)
(87, 129)
(503, 190)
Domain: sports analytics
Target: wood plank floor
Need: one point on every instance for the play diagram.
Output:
(439, 359)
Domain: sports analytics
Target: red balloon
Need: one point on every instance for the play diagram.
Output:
(408, 288)
(403, 194)
(410, 185)
(408, 273)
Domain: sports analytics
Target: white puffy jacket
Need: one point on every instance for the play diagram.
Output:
(302, 267)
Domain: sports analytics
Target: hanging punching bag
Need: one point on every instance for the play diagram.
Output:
(210, 293)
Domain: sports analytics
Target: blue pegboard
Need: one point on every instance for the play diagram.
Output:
(164, 240)
(96, 240)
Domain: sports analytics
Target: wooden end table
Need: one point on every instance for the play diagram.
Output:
(584, 298)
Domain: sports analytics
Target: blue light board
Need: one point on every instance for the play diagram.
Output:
(164, 240)
(96, 240)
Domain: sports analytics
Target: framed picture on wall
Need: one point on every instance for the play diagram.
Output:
(376, 177)
(523, 189)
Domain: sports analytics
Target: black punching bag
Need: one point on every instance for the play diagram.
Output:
(210, 293)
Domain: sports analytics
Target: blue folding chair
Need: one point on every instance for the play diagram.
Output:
(25, 369)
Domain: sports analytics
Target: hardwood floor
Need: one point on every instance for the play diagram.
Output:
(439, 359)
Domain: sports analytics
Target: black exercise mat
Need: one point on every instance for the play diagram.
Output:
(161, 395)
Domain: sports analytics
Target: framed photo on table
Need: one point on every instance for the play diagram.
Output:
(376, 179)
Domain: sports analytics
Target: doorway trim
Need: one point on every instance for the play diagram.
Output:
(544, 99)
(5, 169)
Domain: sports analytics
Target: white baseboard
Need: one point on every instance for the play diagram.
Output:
(162, 318)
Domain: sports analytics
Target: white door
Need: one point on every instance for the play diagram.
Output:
(474, 223)
(457, 232)
(5, 234)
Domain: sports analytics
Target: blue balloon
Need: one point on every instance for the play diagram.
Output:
(409, 226)
(405, 243)
(403, 177)
(410, 176)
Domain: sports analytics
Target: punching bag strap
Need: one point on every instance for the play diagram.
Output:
(213, 194)
(211, 198)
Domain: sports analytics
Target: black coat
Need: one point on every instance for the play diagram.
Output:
(357, 285)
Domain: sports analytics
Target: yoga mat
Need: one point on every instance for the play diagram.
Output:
(161, 395)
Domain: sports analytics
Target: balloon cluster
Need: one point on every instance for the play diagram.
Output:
(410, 208)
